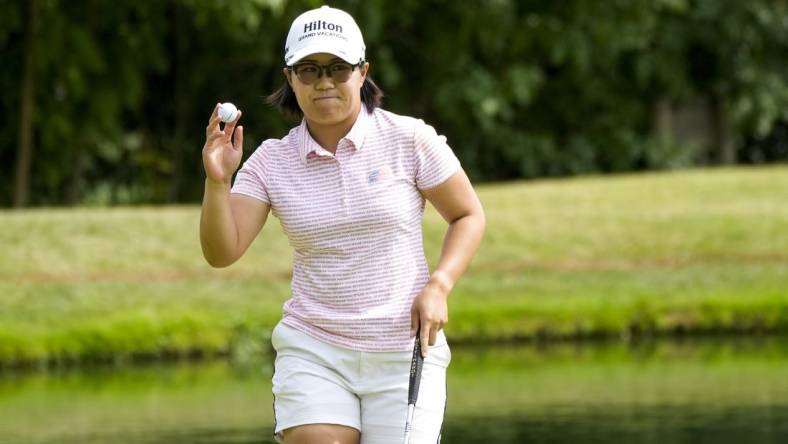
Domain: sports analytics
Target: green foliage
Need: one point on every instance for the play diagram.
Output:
(522, 89)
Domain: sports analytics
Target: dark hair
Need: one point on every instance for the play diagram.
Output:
(285, 99)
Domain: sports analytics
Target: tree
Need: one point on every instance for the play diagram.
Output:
(24, 151)
(114, 107)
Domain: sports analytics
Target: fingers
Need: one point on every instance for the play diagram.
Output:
(230, 126)
(425, 339)
(414, 321)
(428, 332)
(213, 122)
(238, 138)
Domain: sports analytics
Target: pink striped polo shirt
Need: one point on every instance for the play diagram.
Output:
(354, 220)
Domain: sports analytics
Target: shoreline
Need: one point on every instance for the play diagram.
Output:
(264, 353)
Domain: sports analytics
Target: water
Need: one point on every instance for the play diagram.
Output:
(721, 391)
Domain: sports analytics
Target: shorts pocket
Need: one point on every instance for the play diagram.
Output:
(439, 355)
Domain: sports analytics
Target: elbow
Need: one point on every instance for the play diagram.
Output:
(481, 221)
(474, 222)
(217, 260)
(217, 263)
(479, 216)
(475, 216)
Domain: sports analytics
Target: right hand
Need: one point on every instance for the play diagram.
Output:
(223, 150)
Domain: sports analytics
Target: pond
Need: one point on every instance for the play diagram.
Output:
(700, 391)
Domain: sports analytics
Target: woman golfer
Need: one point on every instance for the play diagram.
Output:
(348, 186)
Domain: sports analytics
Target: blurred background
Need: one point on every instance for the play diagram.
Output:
(631, 155)
(105, 102)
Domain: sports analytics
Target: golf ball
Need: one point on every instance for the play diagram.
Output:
(227, 112)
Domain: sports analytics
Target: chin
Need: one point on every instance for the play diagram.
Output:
(328, 117)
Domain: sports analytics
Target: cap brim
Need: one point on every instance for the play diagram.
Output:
(325, 47)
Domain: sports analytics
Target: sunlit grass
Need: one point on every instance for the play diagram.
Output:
(694, 251)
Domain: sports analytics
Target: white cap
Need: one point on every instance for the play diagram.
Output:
(324, 29)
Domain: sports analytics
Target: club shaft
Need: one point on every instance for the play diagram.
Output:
(409, 423)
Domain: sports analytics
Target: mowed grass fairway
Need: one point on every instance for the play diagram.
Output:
(695, 251)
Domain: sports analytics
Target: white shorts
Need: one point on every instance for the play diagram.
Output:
(319, 383)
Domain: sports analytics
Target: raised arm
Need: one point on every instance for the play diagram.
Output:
(228, 223)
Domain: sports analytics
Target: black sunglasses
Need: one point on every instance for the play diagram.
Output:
(310, 72)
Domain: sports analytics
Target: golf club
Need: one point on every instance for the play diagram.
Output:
(416, 363)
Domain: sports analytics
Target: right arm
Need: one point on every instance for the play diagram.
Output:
(228, 223)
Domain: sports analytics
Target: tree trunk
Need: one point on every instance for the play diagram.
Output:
(723, 140)
(181, 99)
(79, 159)
(24, 150)
(662, 120)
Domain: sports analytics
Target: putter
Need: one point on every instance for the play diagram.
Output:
(416, 363)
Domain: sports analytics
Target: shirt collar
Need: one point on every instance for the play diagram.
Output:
(308, 147)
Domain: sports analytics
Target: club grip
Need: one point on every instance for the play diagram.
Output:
(416, 363)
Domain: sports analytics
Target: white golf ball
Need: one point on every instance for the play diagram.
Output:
(227, 112)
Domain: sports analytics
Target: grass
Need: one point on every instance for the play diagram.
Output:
(686, 252)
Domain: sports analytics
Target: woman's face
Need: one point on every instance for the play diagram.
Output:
(327, 101)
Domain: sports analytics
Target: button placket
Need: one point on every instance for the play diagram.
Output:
(342, 151)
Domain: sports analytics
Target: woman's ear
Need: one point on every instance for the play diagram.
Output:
(364, 69)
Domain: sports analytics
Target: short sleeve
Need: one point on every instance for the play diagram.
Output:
(250, 179)
(434, 160)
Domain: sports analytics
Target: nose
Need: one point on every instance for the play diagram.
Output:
(325, 81)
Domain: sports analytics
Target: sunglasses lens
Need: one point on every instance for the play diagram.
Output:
(340, 72)
(309, 73)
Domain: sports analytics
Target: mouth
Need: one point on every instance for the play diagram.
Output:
(321, 99)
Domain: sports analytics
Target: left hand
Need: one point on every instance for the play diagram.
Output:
(430, 312)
